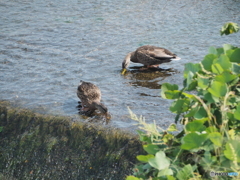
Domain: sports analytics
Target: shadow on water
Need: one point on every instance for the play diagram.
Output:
(148, 78)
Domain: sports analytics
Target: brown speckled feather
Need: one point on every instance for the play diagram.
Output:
(88, 92)
(90, 96)
(149, 55)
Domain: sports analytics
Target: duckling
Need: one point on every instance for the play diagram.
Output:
(90, 96)
(149, 56)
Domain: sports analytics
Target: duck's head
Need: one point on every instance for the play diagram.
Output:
(126, 62)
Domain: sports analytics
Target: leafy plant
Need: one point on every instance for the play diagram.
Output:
(162, 160)
(208, 106)
(229, 28)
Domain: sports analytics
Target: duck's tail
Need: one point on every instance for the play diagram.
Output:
(176, 58)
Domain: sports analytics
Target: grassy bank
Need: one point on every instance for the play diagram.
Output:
(35, 146)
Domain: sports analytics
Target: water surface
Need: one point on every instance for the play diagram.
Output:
(46, 48)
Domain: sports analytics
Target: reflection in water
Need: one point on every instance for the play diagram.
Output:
(143, 77)
(93, 116)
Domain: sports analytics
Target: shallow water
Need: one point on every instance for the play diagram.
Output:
(46, 48)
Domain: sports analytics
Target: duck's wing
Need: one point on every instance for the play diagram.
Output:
(157, 52)
(161, 53)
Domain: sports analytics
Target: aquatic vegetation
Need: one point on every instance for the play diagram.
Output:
(208, 106)
(229, 28)
(35, 146)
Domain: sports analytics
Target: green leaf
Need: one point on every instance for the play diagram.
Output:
(191, 112)
(190, 67)
(218, 89)
(237, 113)
(143, 137)
(189, 79)
(195, 126)
(186, 172)
(201, 113)
(191, 86)
(229, 28)
(217, 68)
(203, 82)
(207, 158)
(208, 61)
(165, 172)
(160, 161)
(216, 138)
(223, 61)
(212, 50)
(190, 82)
(193, 140)
(168, 137)
(220, 51)
(234, 55)
(190, 96)
(225, 77)
(236, 68)
(180, 105)
(132, 178)
(210, 98)
(167, 87)
(145, 158)
(211, 129)
(172, 94)
(151, 148)
(172, 128)
(232, 151)
(171, 178)
(225, 163)
(227, 47)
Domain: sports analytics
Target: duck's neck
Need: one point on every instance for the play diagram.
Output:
(129, 57)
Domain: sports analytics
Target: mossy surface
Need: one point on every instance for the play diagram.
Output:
(35, 146)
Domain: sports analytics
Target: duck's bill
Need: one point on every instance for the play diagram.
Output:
(123, 71)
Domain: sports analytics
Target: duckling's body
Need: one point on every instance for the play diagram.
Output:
(150, 56)
(90, 96)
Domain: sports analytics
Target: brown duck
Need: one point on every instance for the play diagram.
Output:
(90, 96)
(149, 56)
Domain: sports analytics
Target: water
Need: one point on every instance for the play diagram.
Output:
(46, 48)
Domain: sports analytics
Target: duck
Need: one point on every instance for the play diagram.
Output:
(90, 97)
(149, 56)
